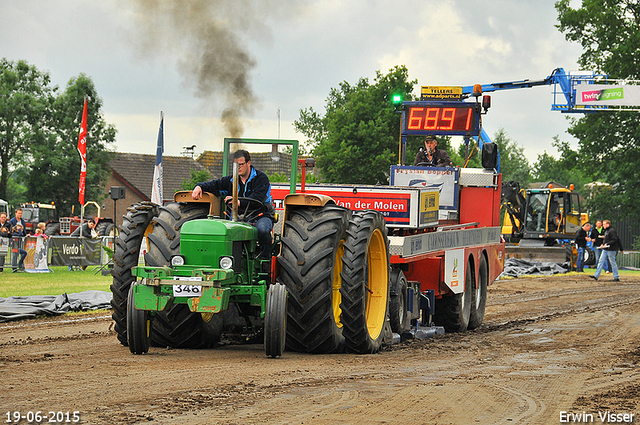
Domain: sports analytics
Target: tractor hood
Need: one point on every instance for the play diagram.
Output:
(203, 242)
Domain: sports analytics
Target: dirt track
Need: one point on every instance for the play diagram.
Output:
(547, 346)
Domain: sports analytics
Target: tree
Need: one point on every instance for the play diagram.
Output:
(25, 100)
(197, 176)
(513, 164)
(55, 167)
(566, 170)
(609, 142)
(356, 140)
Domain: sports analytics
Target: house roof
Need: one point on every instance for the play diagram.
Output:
(136, 172)
(263, 161)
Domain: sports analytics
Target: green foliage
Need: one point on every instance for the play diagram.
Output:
(513, 164)
(458, 157)
(609, 142)
(25, 101)
(356, 140)
(57, 157)
(39, 130)
(310, 178)
(566, 170)
(196, 176)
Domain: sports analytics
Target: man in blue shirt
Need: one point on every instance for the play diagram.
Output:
(252, 184)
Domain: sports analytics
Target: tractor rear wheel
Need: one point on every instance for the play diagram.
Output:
(104, 228)
(177, 326)
(310, 265)
(138, 326)
(275, 320)
(52, 229)
(479, 299)
(365, 282)
(125, 257)
(453, 312)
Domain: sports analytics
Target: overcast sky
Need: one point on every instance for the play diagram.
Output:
(194, 60)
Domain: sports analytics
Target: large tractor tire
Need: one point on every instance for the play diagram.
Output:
(365, 282)
(479, 298)
(177, 326)
(454, 311)
(310, 265)
(52, 229)
(104, 228)
(125, 257)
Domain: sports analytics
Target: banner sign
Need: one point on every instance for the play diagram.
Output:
(445, 179)
(36, 259)
(68, 251)
(607, 94)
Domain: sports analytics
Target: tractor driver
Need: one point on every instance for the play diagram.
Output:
(253, 184)
(430, 156)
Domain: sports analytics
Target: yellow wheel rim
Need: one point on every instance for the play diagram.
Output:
(378, 283)
(337, 284)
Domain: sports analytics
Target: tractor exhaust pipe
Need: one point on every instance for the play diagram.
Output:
(234, 207)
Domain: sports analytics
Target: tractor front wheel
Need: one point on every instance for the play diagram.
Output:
(138, 326)
(275, 320)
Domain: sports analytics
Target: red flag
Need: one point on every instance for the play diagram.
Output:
(82, 148)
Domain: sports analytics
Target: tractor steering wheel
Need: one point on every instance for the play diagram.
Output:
(251, 211)
(424, 164)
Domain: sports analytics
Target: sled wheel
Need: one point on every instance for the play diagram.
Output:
(310, 264)
(365, 282)
(453, 311)
(275, 320)
(138, 326)
(398, 301)
(479, 299)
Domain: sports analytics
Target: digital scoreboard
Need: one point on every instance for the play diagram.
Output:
(445, 118)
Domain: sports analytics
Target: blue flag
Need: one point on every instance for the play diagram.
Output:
(156, 191)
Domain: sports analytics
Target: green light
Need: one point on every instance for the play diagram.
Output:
(396, 99)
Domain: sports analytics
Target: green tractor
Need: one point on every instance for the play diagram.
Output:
(218, 264)
(325, 291)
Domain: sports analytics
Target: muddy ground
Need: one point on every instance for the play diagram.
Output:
(549, 348)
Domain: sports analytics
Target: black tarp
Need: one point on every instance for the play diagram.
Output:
(15, 308)
(515, 267)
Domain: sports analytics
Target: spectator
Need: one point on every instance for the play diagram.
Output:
(597, 236)
(5, 233)
(611, 245)
(582, 237)
(88, 230)
(18, 232)
(40, 230)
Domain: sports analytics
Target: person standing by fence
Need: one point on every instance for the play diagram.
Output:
(611, 245)
(5, 235)
(582, 237)
(597, 236)
(18, 232)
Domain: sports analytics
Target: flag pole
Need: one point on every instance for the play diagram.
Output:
(157, 186)
(82, 148)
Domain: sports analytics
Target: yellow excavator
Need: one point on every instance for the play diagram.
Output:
(540, 222)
